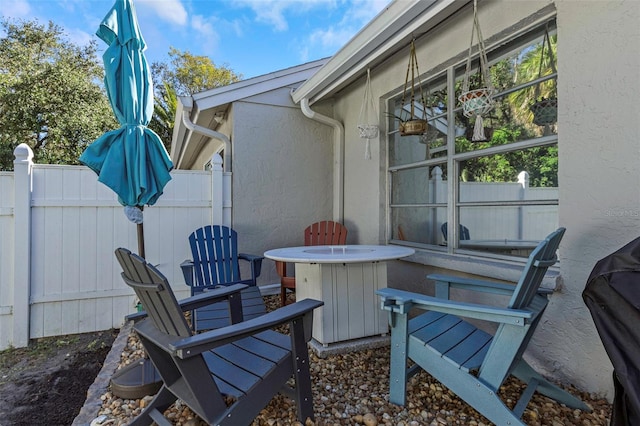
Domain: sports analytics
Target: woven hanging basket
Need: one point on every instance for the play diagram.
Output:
(545, 111)
(368, 119)
(477, 102)
(368, 131)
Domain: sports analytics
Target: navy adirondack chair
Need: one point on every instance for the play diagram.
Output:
(226, 376)
(215, 263)
(470, 362)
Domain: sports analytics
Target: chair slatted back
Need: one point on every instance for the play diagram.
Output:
(215, 255)
(463, 231)
(154, 292)
(540, 259)
(324, 233)
(508, 345)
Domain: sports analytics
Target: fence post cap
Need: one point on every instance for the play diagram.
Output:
(23, 153)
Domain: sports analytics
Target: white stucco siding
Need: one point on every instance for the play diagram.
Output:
(599, 157)
(363, 211)
(282, 178)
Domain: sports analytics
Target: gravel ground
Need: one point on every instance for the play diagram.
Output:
(352, 389)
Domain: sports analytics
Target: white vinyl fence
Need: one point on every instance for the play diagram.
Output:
(59, 228)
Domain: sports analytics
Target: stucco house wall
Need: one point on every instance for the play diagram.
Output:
(281, 173)
(599, 156)
(283, 178)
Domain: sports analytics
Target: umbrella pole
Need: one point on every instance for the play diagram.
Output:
(141, 240)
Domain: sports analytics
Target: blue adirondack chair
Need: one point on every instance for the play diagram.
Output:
(463, 232)
(215, 263)
(470, 362)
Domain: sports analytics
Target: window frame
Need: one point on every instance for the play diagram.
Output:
(449, 74)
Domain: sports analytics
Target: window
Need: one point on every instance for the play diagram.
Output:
(500, 193)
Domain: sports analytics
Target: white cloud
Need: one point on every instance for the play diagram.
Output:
(357, 14)
(205, 32)
(16, 9)
(79, 37)
(171, 11)
(272, 12)
(331, 38)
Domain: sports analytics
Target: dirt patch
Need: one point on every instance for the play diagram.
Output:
(47, 382)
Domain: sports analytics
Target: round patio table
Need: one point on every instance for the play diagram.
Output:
(345, 278)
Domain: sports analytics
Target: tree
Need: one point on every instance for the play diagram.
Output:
(189, 74)
(185, 75)
(50, 96)
(164, 114)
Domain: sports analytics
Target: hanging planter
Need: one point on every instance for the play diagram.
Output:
(413, 127)
(413, 124)
(368, 128)
(545, 110)
(477, 102)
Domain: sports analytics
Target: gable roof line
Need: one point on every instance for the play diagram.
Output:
(253, 86)
(219, 99)
(391, 30)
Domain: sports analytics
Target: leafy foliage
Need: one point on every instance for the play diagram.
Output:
(511, 120)
(164, 113)
(50, 96)
(185, 75)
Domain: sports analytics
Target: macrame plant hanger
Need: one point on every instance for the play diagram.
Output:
(477, 102)
(413, 125)
(368, 118)
(545, 110)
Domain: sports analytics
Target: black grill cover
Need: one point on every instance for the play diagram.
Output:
(612, 295)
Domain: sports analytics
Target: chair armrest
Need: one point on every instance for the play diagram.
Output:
(190, 346)
(256, 264)
(400, 301)
(202, 299)
(444, 282)
(187, 271)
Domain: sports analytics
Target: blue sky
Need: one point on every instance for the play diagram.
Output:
(252, 37)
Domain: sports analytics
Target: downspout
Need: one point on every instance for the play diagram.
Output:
(226, 164)
(338, 157)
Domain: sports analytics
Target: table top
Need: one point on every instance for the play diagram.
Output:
(338, 254)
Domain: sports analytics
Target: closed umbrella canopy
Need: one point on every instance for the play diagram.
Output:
(132, 159)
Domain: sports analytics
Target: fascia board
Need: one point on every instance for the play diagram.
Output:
(390, 30)
(251, 87)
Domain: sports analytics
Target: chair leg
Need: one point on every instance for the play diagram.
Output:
(158, 405)
(526, 373)
(302, 375)
(398, 368)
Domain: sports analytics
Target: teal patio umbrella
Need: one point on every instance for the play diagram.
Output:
(131, 160)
